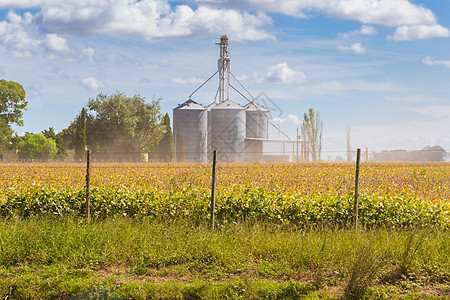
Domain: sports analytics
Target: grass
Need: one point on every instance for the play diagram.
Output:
(58, 258)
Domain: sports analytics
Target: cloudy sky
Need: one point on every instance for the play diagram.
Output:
(378, 67)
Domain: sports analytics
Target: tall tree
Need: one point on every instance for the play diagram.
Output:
(12, 105)
(312, 133)
(59, 140)
(124, 124)
(6, 135)
(166, 152)
(79, 139)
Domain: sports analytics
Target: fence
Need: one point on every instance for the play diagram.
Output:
(268, 190)
(287, 154)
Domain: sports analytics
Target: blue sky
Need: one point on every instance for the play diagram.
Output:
(380, 67)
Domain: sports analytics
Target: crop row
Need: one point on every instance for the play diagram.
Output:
(425, 181)
(251, 205)
(391, 194)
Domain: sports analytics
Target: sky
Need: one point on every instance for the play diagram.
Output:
(379, 69)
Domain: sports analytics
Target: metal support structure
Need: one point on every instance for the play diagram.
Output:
(190, 96)
(268, 122)
(223, 65)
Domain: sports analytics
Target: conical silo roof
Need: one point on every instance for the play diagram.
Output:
(190, 104)
(211, 105)
(228, 104)
(254, 106)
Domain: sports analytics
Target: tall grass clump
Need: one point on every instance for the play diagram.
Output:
(367, 265)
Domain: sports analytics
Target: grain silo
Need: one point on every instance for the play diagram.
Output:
(228, 131)
(257, 121)
(190, 131)
(237, 133)
(209, 139)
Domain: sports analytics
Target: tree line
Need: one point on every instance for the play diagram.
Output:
(111, 126)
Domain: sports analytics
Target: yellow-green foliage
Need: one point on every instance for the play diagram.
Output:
(390, 194)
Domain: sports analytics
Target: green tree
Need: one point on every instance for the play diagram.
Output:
(36, 146)
(312, 134)
(6, 135)
(59, 140)
(79, 137)
(122, 124)
(12, 105)
(166, 152)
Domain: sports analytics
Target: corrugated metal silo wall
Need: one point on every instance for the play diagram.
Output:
(209, 139)
(228, 133)
(263, 125)
(252, 124)
(192, 125)
(256, 126)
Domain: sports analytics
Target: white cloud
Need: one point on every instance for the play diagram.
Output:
(56, 43)
(294, 119)
(438, 111)
(15, 37)
(92, 83)
(282, 73)
(21, 54)
(356, 48)
(52, 56)
(242, 77)
(154, 19)
(191, 80)
(20, 40)
(354, 85)
(416, 32)
(88, 52)
(431, 62)
(419, 21)
(365, 30)
(15, 4)
(149, 19)
(383, 12)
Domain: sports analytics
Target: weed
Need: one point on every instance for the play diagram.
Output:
(367, 266)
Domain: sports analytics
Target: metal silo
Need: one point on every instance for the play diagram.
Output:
(208, 113)
(228, 131)
(190, 131)
(257, 121)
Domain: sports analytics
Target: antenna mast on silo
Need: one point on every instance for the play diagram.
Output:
(224, 68)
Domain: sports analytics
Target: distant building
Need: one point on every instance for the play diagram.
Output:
(434, 153)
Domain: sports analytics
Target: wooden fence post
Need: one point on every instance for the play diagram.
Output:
(355, 206)
(88, 181)
(213, 189)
